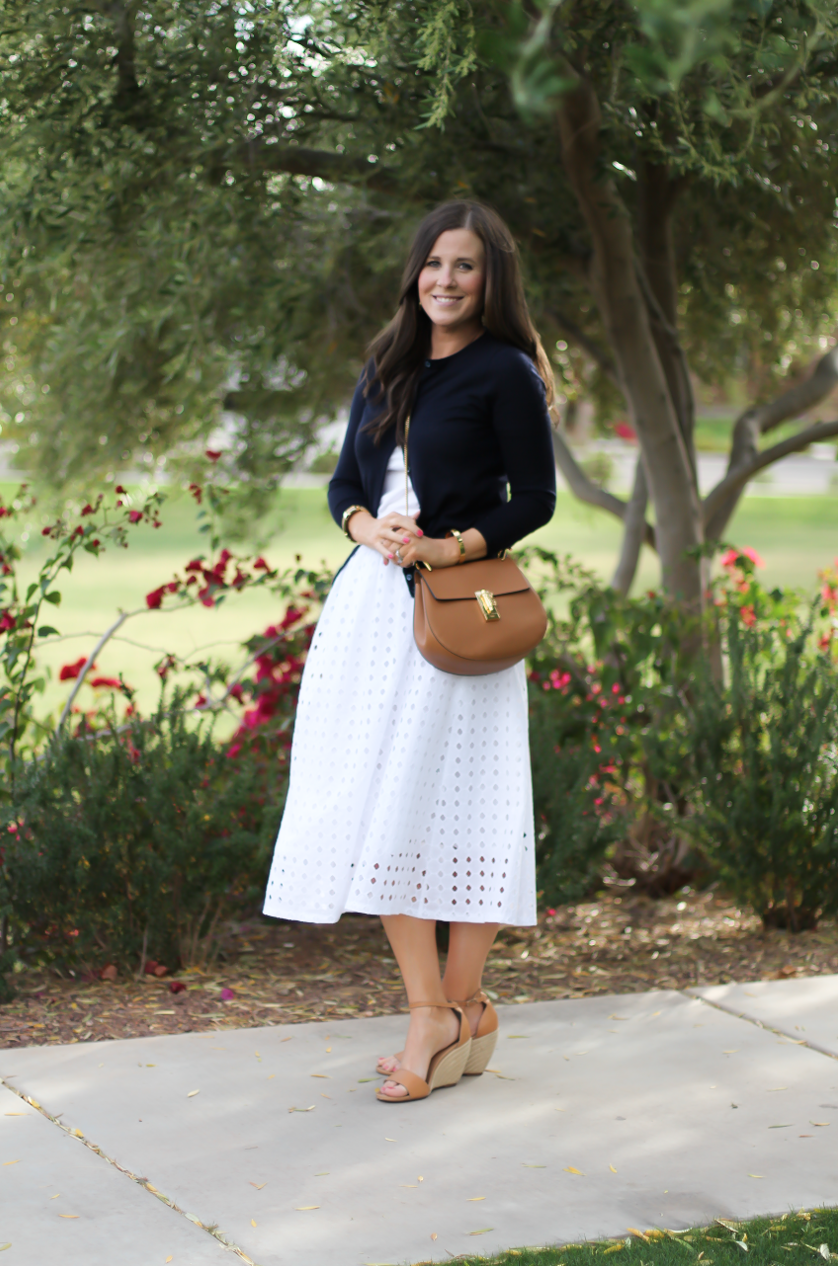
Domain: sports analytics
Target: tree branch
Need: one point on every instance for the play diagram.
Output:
(587, 345)
(758, 420)
(586, 490)
(298, 160)
(636, 531)
(735, 480)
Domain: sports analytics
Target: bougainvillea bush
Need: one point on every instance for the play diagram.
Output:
(125, 837)
(654, 767)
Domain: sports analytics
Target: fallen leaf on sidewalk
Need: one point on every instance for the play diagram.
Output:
(252, 1223)
(484, 1231)
(68, 1215)
(526, 1166)
(471, 1199)
(325, 1076)
(169, 1258)
(17, 1114)
(756, 1175)
(258, 1185)
(17, 1162)
(304, 1208)
(192, 1093)
(311, 1109)
(569, 1169)
(819, 1123)
(3, 1247)
(613, 1170)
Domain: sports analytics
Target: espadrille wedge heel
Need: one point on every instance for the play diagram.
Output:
(445, 1069)
(485, 1039)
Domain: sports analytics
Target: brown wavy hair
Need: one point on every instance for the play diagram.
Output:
(400, 350)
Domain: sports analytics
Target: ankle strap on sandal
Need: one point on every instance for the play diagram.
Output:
(480, 996)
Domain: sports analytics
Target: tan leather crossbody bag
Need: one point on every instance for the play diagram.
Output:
(474, 618)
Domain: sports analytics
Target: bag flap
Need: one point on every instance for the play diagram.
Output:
(455, 584)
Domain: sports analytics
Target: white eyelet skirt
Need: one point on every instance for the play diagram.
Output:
(410, 789)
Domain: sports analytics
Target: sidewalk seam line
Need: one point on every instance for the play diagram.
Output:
(141, 1182)
(760, 1024)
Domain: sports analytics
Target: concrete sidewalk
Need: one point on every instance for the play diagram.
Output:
(657, 1109)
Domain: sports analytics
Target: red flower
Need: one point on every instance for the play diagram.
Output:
(195, 489)
(71, 671)
(749, 616)
(88, 509)
(195, 565)
(625, 432)
(106, 683)
(79, 531)
(154, 599)
(824, 641)
(212, 455)
(260, 565)
(176, 986)
(134, 516)
(120, 489)
(7, 621)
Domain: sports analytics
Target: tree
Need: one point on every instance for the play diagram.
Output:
(206, 209)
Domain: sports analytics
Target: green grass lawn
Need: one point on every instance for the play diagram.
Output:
(791, 1239)
(795, 536)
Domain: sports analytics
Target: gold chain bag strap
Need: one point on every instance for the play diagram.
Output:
(474, 618)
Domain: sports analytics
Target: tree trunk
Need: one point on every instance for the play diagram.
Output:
(625, 314)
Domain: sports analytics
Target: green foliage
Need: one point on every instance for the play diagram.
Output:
(764, 762)
(206, 211)
(643, 751)
(139, 839)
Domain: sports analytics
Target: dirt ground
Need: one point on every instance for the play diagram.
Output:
(286, 973)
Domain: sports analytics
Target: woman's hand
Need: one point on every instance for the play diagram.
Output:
(386, 535)
(399, 541)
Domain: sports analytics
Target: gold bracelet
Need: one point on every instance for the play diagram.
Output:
(458, 537)
(346, 516)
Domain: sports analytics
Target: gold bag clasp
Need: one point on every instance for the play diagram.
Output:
(486, 603)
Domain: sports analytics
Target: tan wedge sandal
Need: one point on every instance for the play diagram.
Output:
(445, 1069)
(485, 1038)
(482, 1043)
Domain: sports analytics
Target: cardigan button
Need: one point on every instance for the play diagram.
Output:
(427, 364)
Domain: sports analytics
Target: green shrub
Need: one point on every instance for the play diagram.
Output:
(137, 843)
(765, 773)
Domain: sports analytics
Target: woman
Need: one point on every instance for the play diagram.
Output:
(410, 793)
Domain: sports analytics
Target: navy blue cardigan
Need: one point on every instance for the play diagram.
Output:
(479, 423)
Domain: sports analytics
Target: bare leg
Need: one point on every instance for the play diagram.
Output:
(468, 948)
(433, 1027)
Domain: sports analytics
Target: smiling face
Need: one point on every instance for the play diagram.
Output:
(452, 282)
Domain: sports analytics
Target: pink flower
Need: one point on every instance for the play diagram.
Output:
(212, 455)
(625, 432)
(227, 995)
(754, 556)
(134, 516)
(120, 490)
(176, 986)
(824, 641)
(749, 616)
(7, 621)
(728, 559)
(260, 565)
